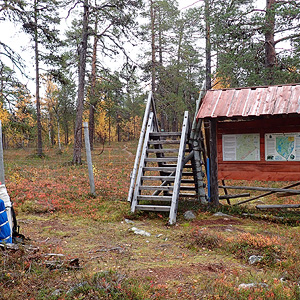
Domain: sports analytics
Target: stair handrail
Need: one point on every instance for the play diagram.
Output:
(142, 162)
(198, 102)
(150, 104)
(174, 203)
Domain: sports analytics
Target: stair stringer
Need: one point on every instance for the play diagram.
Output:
(179, 168)
(142, 162)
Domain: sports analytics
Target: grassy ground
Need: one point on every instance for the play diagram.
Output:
(81, 247)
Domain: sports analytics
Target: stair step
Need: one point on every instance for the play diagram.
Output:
(164, 134)
(163, 169)
(161, 159)
(163, 150)
(154, 198)
(187, 166)
(188, 195)
(160, 142)
(187, 181)
(188, 174)
(165, 178)
(187, 188)
(153, 207)
(156, 188)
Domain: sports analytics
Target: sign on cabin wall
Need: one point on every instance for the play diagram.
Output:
(282, 146)
(264, 149)
(241, 147)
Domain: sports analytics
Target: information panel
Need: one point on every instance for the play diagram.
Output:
(282, 146)
(241, 147)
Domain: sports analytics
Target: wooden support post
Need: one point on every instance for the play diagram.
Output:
(89, 157)
(226, 193)
(214, 190)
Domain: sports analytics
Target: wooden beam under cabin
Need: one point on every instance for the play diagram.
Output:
(256, 188)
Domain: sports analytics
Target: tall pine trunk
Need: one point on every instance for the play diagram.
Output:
(81, 87)
(270, 53)
(37, 85)
(58, 135)
(93, 100)
(153, 63)
(207, 47)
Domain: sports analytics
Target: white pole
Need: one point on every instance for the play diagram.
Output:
(2, 179)
(3, 192)
(89, 157)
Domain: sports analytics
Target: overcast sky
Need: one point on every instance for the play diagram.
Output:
(15, 38)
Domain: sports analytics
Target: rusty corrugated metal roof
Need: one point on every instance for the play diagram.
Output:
(252, 101)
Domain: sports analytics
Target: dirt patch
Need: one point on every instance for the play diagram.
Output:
(220, 221)
(161, 275)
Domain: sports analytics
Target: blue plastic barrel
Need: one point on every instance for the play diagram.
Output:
(5, 230)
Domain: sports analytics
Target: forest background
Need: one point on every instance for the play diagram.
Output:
(100, 68)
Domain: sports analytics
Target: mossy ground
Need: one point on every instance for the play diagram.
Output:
(206, 258)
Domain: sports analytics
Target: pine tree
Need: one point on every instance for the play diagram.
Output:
(39, 21)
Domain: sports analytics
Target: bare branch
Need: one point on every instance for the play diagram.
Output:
(292, 36)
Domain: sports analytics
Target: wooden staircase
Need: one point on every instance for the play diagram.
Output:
(166, 168)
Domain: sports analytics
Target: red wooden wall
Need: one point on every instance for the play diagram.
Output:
(258, 170)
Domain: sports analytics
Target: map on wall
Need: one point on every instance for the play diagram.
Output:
(241, 147)
(282, 146)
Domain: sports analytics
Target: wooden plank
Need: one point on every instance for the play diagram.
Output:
(154, 198)
(187, 181)
(187, 188)
(166, 178)
(186, 166)
(190, 174)
(278, 206)
(153, 208)
(164, 159)
(256, 188)
(164, 134)
(164, 169)
(161, 142)
(188, 195)
(155, 187)
(163, 150)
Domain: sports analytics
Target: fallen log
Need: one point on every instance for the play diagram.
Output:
(278, 206)
(280, 195)
(234, 196)
(256, 188)
(267, 194)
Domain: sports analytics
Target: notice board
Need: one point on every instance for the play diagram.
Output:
(262, 149)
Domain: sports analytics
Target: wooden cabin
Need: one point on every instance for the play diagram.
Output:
(257, 132)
